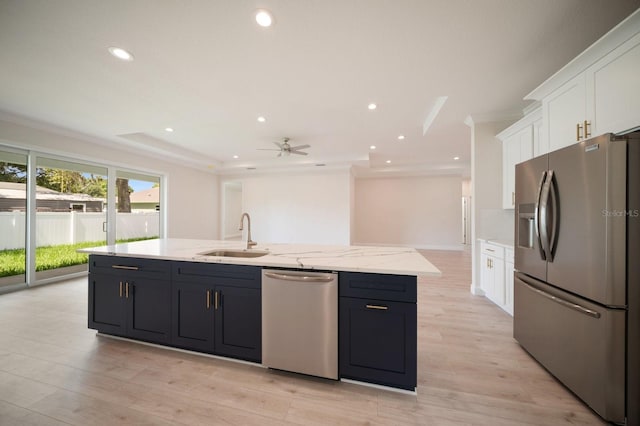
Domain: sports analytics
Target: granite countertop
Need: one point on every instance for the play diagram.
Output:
(504, 243)
(381, 260)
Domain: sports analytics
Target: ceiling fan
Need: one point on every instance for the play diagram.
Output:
(285, 149)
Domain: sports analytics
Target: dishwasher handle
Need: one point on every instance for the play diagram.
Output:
(300, 278)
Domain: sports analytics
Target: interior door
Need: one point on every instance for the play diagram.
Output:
(589, 256)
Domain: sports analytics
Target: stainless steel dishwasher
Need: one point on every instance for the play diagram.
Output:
(300, 322)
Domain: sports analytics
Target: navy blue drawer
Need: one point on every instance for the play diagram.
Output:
(217, 273)
(399, 288)
(131, 266)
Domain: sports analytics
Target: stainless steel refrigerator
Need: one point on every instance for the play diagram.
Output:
(577, 262)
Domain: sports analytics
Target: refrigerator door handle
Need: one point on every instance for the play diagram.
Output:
(590, 312)
(553, 192)
(545, 209)
(536, 216)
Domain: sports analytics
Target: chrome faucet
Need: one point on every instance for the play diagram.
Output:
(249, 242)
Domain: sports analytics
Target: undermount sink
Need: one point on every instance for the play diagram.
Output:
(235, 253)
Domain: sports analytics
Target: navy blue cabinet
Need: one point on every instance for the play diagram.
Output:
(130, 297)
(378, 329)
(192, 324)
(217, 309)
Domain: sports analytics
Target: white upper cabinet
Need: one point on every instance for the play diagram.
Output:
(518, 142)
(540, 144)
(597, 92)
(564, 112)
(613, 89)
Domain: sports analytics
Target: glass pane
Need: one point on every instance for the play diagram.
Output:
(13, 202)
(70, 213)
(137, 206)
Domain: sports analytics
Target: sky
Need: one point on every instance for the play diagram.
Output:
(140, 185)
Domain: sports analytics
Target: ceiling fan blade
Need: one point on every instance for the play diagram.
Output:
(299, 152)
(268, 149)
(295, 148)
(278, 144)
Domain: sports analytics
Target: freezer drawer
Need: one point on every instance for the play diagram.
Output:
(582, 344)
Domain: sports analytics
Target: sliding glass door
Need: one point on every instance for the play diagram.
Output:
(70, 213)
(137, 206)
(13, 217)
(51, 206)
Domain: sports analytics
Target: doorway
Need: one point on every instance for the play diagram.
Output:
(231, 210)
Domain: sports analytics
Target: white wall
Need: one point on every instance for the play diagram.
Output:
(298, 208)
(232, 205)
(192, 204)
(490, 220)
(420, 212)
(466, 188)
(191, 195)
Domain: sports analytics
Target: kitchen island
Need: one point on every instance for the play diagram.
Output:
(171, 292)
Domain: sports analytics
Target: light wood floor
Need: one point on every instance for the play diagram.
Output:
(55, 371)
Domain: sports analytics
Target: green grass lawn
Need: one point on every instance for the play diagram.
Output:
(12, 262)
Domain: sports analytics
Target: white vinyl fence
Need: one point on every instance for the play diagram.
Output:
(74, 227)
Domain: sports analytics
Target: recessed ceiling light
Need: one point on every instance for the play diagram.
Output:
(401, 137)
(262, 119)
(235, 156)
(388, 161)
(372, 147)
(456, 158)
(168, 129)
(120, 53)
(264, 18)
(372, 106)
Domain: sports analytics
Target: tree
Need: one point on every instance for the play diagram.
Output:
(124, 199)
(66, 181)
(96, 186)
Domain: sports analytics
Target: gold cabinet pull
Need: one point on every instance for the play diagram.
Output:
(379, 307)
(587, 133)
(215, 300)
(208, 299)
(126, 290)
(120, 288)
(578, 128)
(128, 268)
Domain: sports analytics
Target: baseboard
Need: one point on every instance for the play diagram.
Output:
(476, 291)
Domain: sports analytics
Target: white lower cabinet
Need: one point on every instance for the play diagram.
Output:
(508, 281)
(496, 276)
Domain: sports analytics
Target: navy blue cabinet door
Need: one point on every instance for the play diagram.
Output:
(378, 342)
(230, 324)
(149, 309)
(130, 297)
(193, 311)
(107, 304)
(238, 319)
